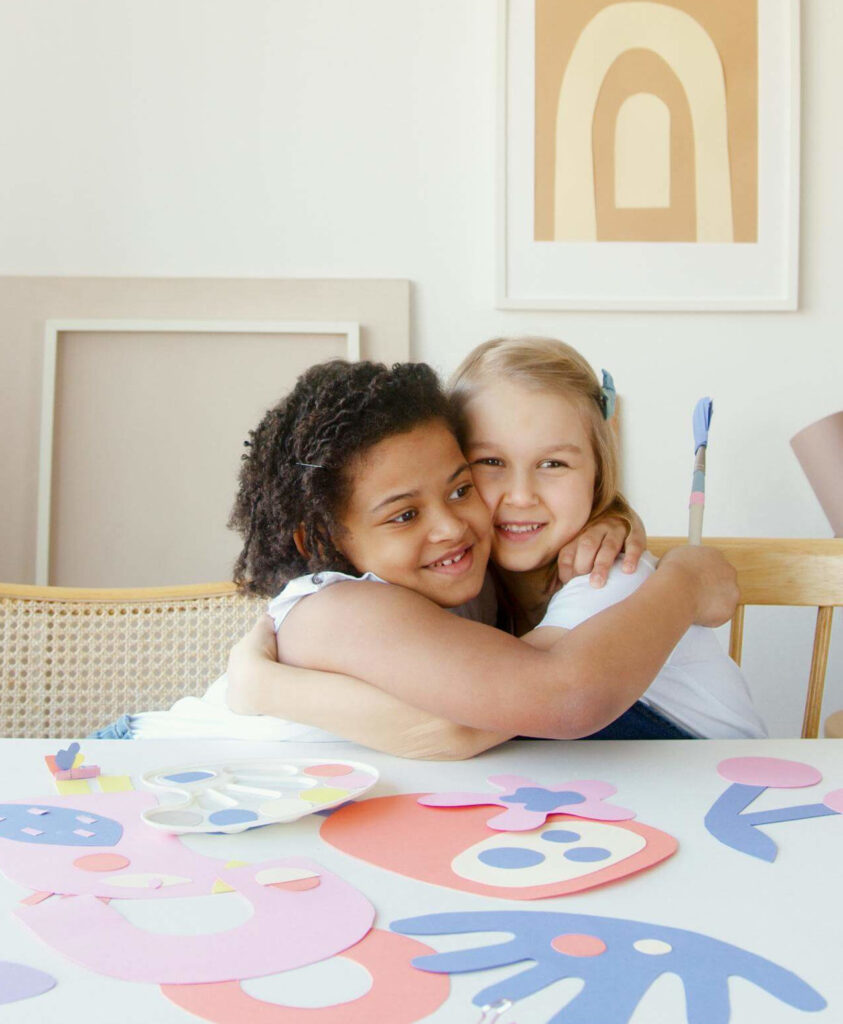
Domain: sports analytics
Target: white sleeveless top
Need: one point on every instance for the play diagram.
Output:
(209, 716)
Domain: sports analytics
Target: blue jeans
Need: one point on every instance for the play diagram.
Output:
(641, 722)
(119, 730)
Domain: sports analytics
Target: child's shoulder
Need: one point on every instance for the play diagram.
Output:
(578, 600)
(283, 603)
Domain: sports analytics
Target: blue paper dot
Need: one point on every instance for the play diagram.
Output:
(587, 854)
(561, 835)
(510, 857)
(60, 826)
(535, 798)
(189, 776)
(233, 816)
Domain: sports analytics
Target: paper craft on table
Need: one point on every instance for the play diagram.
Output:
(97, 845)
(456, 848)
(527, 804)
(730, 822)
(19, 981)
(618, 960)
(289, 927)
(248, 793)
(399, 994)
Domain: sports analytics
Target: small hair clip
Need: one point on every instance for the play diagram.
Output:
(309, 465)
(608, 395)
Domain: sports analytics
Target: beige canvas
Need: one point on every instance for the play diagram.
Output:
(149, 425)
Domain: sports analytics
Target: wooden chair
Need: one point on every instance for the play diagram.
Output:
(784, 572)
(73, 660)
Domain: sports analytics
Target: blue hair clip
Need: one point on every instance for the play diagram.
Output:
(609, 395)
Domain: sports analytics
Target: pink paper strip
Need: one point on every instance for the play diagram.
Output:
(287, 929)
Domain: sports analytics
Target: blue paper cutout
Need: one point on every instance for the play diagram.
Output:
(511, 857)
(58, 827)
(536, 798)
(560, 835)
(65, 758)
(615, 980)
(189, 776)
(587, 854)
(232, 816)
(728, 822)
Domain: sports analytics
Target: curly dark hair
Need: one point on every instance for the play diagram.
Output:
(295, 470)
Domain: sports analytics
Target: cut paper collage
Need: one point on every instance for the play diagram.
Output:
(520, 839)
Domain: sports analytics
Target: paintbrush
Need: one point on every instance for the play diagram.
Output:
(702, 421)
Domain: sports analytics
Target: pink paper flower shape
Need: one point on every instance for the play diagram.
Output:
(527, 804)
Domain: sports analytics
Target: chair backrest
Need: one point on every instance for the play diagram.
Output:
(72, 659)
(784, 572)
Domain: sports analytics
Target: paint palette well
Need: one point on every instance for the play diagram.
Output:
(233, 796)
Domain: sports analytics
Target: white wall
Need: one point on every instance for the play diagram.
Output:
(324, 138)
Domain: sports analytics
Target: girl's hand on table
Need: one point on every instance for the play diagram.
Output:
(246, 661)
(596, 548)
(712, 579)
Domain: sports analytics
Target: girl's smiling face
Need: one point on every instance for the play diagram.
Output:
(533, 463)
(415, 518)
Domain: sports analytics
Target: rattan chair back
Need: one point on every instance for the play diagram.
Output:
(73, 660)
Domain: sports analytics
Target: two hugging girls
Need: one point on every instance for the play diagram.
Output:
(366, 476)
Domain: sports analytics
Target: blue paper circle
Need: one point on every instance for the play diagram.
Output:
(59, 826)
(587, 854)
(232, 816)
(510, 857)
(561, 835)
(189, 776)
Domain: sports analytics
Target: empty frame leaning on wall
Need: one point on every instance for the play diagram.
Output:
(144, 412)
(648, 154)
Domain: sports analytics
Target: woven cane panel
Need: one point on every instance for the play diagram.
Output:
(67, 668)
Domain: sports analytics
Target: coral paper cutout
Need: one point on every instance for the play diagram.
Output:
(400, 994)
(401, 835)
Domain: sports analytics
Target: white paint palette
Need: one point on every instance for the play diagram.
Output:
(234, 796)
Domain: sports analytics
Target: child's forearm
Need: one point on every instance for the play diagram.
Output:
(361, 713)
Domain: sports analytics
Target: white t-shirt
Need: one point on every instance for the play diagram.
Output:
(209, 716)
(699, 687)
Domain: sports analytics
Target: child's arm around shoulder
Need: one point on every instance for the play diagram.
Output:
(477, 676)
(259, 685)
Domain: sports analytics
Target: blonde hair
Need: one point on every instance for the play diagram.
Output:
(545, 364)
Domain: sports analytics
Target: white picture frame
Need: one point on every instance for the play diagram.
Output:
(53, 331)
(602, 275)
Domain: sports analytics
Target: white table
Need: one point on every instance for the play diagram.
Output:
(790, 911)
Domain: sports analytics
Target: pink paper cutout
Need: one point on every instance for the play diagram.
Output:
(773, 772)
(587, 801)
(400, 993)
(150, 851)
(834, 800)
(286, 930)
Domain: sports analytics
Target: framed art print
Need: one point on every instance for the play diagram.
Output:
(648, 154)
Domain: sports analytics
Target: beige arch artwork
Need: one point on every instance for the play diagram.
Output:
(688, 49)
(642, 153)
